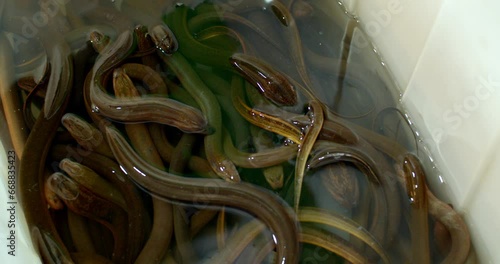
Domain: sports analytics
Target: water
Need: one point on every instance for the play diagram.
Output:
(347, 75)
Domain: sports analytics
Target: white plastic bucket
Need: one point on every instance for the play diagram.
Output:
(443, 56)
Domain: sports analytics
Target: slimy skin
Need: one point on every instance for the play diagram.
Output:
(263, 205)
